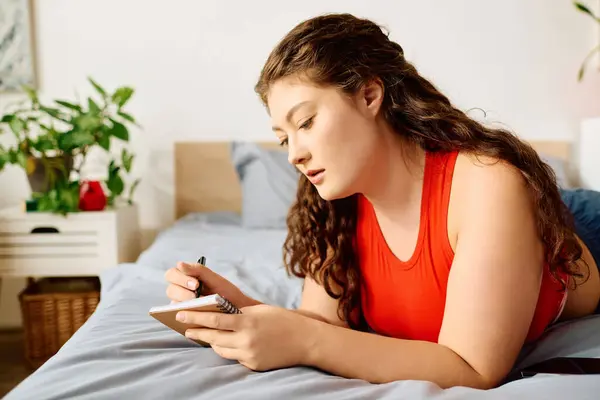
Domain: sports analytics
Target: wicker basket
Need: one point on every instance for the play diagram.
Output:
(53, 309)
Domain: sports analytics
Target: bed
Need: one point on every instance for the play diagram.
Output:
(122, 353)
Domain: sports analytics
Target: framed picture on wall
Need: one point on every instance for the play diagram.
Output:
(16, 46)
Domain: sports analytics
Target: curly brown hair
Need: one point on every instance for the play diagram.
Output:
(343, 51)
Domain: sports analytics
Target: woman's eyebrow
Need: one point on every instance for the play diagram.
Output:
(291, 112)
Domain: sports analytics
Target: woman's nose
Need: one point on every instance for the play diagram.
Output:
(297, 154)
(298, 158)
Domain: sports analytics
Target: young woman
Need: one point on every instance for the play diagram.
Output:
(432, 247)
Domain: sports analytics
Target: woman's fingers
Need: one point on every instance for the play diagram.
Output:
(213, 320)
(191, 275)
(184, 280)
(178, 293)
(197, 270)
(228, 353)
(178, 277)
(214, 337)
(201, 272)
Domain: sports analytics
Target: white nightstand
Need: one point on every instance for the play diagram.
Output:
(80, 244)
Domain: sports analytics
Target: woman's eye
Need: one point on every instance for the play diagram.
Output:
(283, 142)
(307, 124)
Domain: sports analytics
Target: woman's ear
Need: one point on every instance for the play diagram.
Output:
(372, 96)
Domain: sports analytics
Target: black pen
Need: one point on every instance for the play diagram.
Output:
(202, 261)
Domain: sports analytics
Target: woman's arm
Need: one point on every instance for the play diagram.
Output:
(317, 304)
(491, 298)
(379, 359)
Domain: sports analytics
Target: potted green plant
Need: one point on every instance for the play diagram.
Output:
(52, 142)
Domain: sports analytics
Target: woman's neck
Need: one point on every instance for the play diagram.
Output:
(395, 182)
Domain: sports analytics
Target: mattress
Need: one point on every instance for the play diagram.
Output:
(122, 353)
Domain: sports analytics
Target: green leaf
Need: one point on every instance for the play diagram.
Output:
(44, 127)
(581, 72)
(82, 138)
(55, 113)
(21, 159)
(122, 95)
(15, 156)
(75, 139)
(31, 93)
(119, 131)
(585, 61)
(3, 157)
(104, 140)
(64, 142)
(583, 8)
(69, 199)
(126, 116)
(69, 105)
(17, 125)
(62, 198)
(12, 156)
(47, 201)
(115, 184)
(126, 160)
(132, 189)
(7, 118)
(98, 88)
(43, 143)
(54, 134)
(87, 122)
(93, 107)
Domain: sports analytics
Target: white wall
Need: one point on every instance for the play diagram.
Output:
(194, 64)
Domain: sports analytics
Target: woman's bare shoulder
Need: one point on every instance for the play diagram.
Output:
(480, 178)
(474, 172)
(478, 166)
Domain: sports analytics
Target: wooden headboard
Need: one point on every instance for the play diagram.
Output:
(205, 179)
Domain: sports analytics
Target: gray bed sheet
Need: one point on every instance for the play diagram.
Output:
(122, 353)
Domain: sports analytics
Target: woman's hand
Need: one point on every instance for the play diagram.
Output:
(261, 338)
(183, 281)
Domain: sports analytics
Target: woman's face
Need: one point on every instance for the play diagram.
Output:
(331, 138)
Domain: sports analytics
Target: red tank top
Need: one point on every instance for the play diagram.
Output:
(405, 299)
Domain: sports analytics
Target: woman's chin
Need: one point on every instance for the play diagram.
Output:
(328, 193)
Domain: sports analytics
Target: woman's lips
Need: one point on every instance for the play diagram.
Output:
(315, 176)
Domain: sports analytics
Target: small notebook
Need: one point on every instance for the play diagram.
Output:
(214, 303)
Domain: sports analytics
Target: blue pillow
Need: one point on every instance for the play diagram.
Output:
(268, 182)
(584, 204)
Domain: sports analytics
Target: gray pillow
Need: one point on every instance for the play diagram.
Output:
(560, 169)
(268, 183)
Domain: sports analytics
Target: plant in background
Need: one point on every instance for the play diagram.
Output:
(586, 10)
(53, 142)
